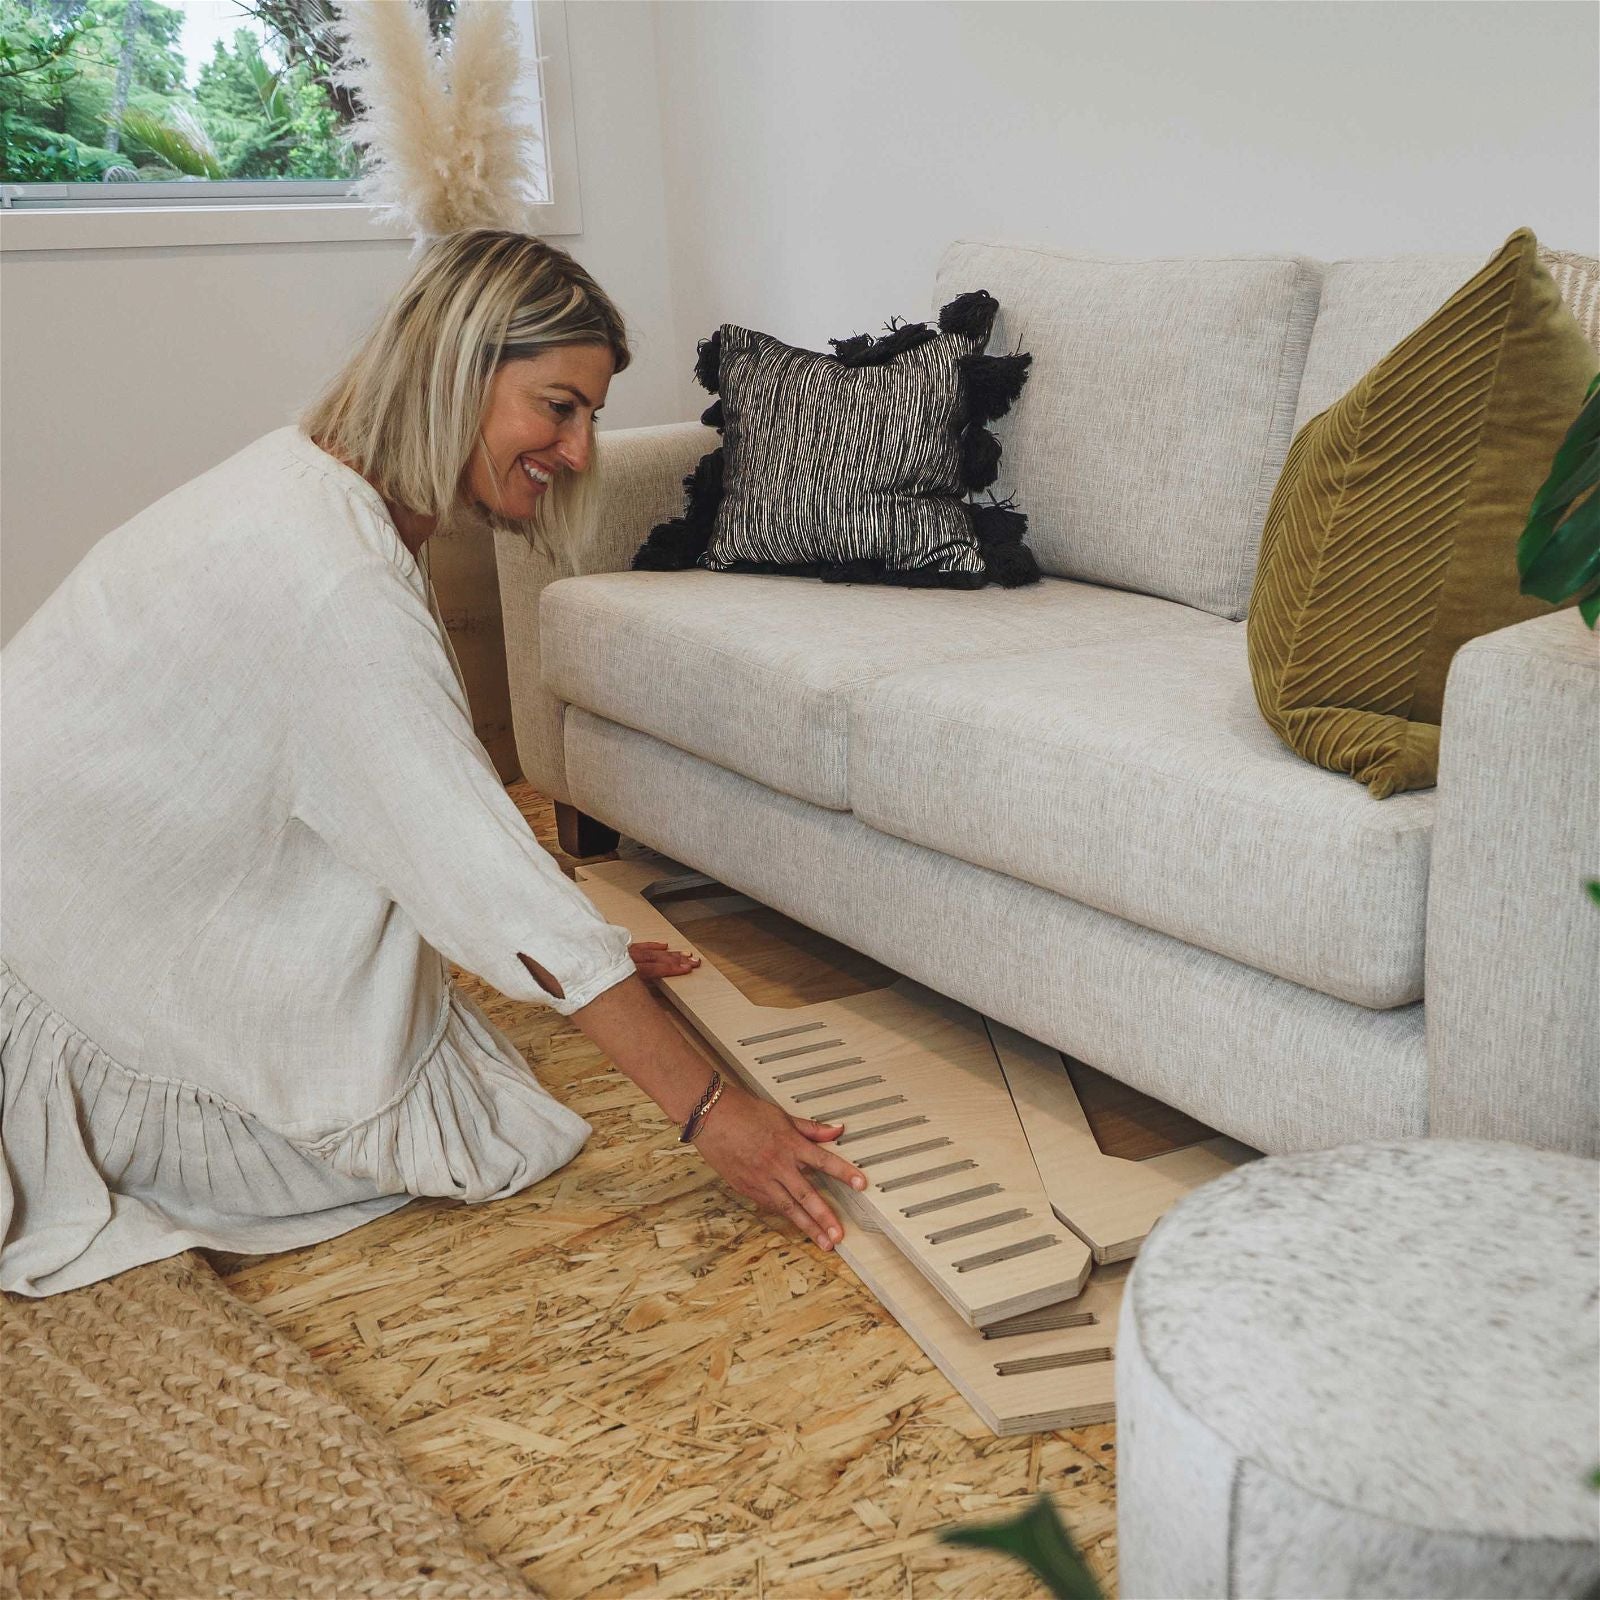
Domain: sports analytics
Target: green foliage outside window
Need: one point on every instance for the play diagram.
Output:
(96, 91)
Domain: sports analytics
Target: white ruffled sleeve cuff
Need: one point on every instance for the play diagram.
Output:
(577, 998)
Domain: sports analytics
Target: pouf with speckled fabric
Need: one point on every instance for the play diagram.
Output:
(1370, 1371)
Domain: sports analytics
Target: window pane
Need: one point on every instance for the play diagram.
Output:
(147, 93)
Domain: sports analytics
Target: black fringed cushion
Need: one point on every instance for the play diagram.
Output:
(855, 467)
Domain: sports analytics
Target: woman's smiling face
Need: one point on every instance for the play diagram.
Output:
(538, 423)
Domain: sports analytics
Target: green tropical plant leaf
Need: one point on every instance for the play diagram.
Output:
(1572, 471)
(1040, 1539)
(223, 129)
(1558, 554)
(269, 88)
(57, 156)
(177, 139)
(1568, 560)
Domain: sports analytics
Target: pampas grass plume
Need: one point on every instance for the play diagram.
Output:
(443, 146)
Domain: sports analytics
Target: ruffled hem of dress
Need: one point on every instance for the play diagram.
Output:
(103, 1168)
(471, 1122)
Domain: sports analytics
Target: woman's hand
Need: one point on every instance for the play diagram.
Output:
(654, 960)
(767, 1155)
(761, 1151)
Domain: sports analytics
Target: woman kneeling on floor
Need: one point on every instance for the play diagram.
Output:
(246, 821)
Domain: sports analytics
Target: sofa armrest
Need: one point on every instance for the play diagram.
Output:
(1513, 939)
(641, 483)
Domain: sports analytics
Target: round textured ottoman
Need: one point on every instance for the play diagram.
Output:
(1372, 1371)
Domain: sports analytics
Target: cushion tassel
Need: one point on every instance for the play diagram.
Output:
(990, 384)
(708, 359)
(672, 546)
(998, 528)
(980, 457)
(850, 351)
(970, 314)
(862, 350)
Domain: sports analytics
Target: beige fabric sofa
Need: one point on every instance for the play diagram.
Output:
(1059, 804)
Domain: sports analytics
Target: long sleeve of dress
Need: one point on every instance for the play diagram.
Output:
(387, 770)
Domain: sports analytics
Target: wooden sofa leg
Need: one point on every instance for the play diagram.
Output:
(581, 835)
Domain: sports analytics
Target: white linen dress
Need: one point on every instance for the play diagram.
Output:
(243, 820)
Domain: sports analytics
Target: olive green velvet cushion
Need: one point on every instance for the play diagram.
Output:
(1391, 537)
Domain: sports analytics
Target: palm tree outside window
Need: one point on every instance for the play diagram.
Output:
(132, 103)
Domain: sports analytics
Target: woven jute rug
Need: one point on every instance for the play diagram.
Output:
(160, 1438)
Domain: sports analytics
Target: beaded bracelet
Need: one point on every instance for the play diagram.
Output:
(702, 1108)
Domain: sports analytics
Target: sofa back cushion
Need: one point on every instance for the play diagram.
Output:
(1158, 411)
(1370, 304)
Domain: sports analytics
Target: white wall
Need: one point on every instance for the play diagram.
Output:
(126, 372)
(799, 166)
(819, 157)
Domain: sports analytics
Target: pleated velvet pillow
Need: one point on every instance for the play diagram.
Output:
(855, 467)
(1391, 537)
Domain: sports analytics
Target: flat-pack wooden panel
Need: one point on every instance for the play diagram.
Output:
(991, 1198)
(1110, 1202)
(1017, 1382)
(928, 1116)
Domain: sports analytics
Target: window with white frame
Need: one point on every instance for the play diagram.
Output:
(163, 112)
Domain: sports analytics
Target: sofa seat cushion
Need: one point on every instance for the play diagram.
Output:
(1138, 777)
(756, 673)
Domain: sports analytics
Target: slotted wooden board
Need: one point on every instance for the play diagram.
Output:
(1110, 1202)
(928, 1117)
(1028, 1350)
(1017, 1383)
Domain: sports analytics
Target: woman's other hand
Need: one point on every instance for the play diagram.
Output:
(654, 960)
(767, 1155)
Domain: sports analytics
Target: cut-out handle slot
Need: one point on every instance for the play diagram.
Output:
(1047, 1319)
(667, 888)
(922, 1207)
(799, 1050)
(837, 1088)
(864, 1105)
(927, 1175)
(902, 1152)
(1062, 1358)
(783, 1033)
(1006, 1252)
(962, 1229)
(882, 1127)
(811, 1072)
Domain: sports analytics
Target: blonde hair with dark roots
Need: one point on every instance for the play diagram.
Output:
(408, 407)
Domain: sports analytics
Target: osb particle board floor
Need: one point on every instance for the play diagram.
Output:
(629, 1383)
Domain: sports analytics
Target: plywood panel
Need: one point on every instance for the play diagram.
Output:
(974, 1135)
(1018, 1383)
(1112, 1203)
(928, 1116)
(769, 958)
